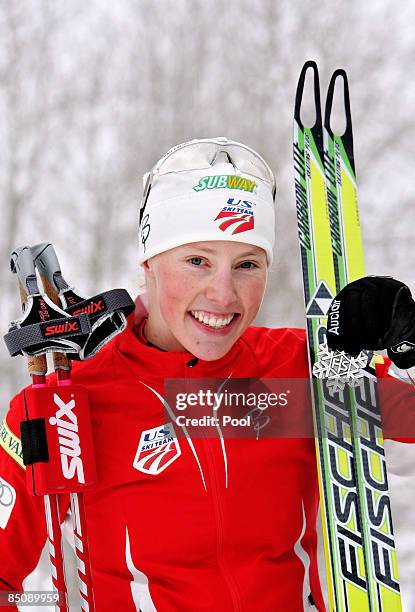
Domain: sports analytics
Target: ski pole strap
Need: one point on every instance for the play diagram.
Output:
(108, 302)
(104, 330)
(107, 314)
(44, 328)
(40, 338)
(107, 311)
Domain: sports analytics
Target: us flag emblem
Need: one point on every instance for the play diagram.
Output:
(157, 449)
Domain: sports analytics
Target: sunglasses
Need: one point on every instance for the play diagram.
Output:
(202, 154)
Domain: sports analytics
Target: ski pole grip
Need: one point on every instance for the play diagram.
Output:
(46, 261)
(45, 258)
(60, 360)
(21, 263)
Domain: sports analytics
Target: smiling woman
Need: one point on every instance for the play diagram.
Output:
(206, 275)
(207, 231)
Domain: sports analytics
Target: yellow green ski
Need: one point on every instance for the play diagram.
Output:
(355, 506)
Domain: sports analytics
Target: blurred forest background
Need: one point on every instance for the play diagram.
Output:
(92, 94)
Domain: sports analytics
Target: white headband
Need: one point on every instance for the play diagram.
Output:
(218, 201)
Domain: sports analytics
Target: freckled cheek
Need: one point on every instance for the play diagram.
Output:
(177, 294)
(251, 294)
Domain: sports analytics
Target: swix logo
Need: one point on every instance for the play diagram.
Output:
(92, 308)
(62, 328)
(69, 446)
(239, 216)
(157, 449)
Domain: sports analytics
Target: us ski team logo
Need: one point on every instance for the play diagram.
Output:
(157, 449)
(236, 217)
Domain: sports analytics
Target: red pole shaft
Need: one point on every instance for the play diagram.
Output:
(79, 528)
(53, 527)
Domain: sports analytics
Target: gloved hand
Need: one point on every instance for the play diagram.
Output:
(374, 313)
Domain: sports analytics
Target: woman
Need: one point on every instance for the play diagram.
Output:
(206, 240)
(181, 522)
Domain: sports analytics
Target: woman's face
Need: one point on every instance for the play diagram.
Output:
(203, 295)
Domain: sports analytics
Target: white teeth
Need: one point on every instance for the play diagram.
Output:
(212, 320)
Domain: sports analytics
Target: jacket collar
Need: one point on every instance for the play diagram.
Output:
(135, 348)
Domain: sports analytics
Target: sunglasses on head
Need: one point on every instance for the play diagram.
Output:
(202, 154)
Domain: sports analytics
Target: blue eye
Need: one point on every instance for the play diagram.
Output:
(198, 261)
(251, 263)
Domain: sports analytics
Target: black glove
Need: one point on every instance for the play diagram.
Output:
(374, 313)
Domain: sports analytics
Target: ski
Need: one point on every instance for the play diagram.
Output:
(370, 464)
(355, 508)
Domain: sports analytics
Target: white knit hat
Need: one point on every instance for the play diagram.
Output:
(212, 189)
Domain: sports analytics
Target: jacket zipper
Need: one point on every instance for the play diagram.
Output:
(217, 507)
(218, 512)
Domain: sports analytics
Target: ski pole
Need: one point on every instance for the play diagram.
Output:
(22, 264)
(56, 433)
(62, 367)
